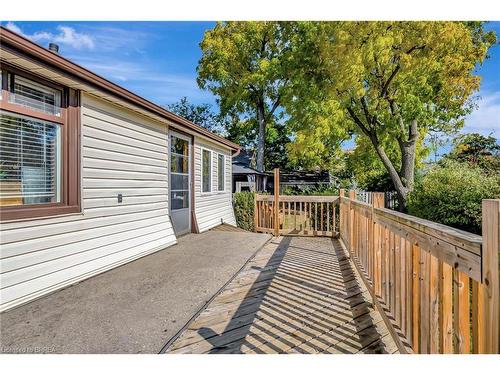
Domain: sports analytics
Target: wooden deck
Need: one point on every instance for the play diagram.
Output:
(297, 295)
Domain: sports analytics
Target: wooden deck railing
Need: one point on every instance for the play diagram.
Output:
(438, 286)
(296, 215)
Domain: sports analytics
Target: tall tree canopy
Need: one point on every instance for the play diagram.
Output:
(387, 82)
(242, 63)
(478, 150)
(201, 114)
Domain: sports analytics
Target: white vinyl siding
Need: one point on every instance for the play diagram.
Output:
(122, 153)
(215, 207)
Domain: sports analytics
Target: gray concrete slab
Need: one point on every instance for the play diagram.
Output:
(135, 308)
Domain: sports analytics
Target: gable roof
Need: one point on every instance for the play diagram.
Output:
(24, 47)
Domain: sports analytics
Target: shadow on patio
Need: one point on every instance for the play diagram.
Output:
(298, 295)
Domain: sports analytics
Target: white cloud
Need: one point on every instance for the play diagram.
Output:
(143, 79)
(118, 54)
(13, 27)
(66, 35)
(486, 118)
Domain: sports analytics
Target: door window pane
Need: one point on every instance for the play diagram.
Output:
(206, 171)
(179, 164)
(179, 182)
(179, 146)
(29, 160)
(179, 199)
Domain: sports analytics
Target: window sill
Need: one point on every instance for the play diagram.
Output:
(214, 193)
(17, 214)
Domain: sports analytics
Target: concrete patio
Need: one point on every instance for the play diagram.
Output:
(135, 308)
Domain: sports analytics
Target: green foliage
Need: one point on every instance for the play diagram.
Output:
(451, 193)
(241, 60)
(388, 82)
(201, 114)
(368, 170)
(277, 138)
(319, 189)
(243, 204)
(242, 64)
(478, 150)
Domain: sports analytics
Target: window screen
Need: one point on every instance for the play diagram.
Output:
(206, 171)
(220, 172)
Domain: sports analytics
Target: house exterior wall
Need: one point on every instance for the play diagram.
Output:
(121, 153)
(215, 207)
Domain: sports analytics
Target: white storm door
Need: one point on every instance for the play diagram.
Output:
(179, 182)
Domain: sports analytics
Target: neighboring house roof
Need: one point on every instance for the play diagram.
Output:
(243, 158)
(242, 164)
(15, 44)
(241, 169)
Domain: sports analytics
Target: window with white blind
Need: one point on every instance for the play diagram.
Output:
(221, 172)
(39, 123)
(206, 171)
(30, 152)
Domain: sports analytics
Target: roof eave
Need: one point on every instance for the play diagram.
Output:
(74, 70)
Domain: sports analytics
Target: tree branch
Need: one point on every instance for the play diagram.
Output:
(414, 48)
(275, 105)
(358, 122)
(364, 104)
(383, 93)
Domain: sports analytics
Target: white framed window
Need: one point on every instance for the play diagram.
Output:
(221, 172)
(206, 170)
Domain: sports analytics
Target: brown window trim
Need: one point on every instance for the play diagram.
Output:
(70, 153)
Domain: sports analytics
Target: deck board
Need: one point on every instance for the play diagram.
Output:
(297, 295)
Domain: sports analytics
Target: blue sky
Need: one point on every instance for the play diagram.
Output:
(157, 60)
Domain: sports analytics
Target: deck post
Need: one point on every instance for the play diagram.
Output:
(341, 216)
(377, 202)
(488, 291)
(352, 197)
(276, 201)
(255, 212)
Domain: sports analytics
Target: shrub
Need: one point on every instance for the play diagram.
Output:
(243, 204)
(318, 189)
(450, 193)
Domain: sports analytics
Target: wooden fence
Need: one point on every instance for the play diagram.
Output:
(437, 286)
(390, 198)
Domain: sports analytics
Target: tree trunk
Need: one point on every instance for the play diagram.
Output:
(408, 155)
(261, 138)
(399, 186)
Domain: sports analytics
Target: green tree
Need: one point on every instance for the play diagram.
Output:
(388, 82)
(242, 63)
(201, 114)
(478, 150)
(277, 138)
